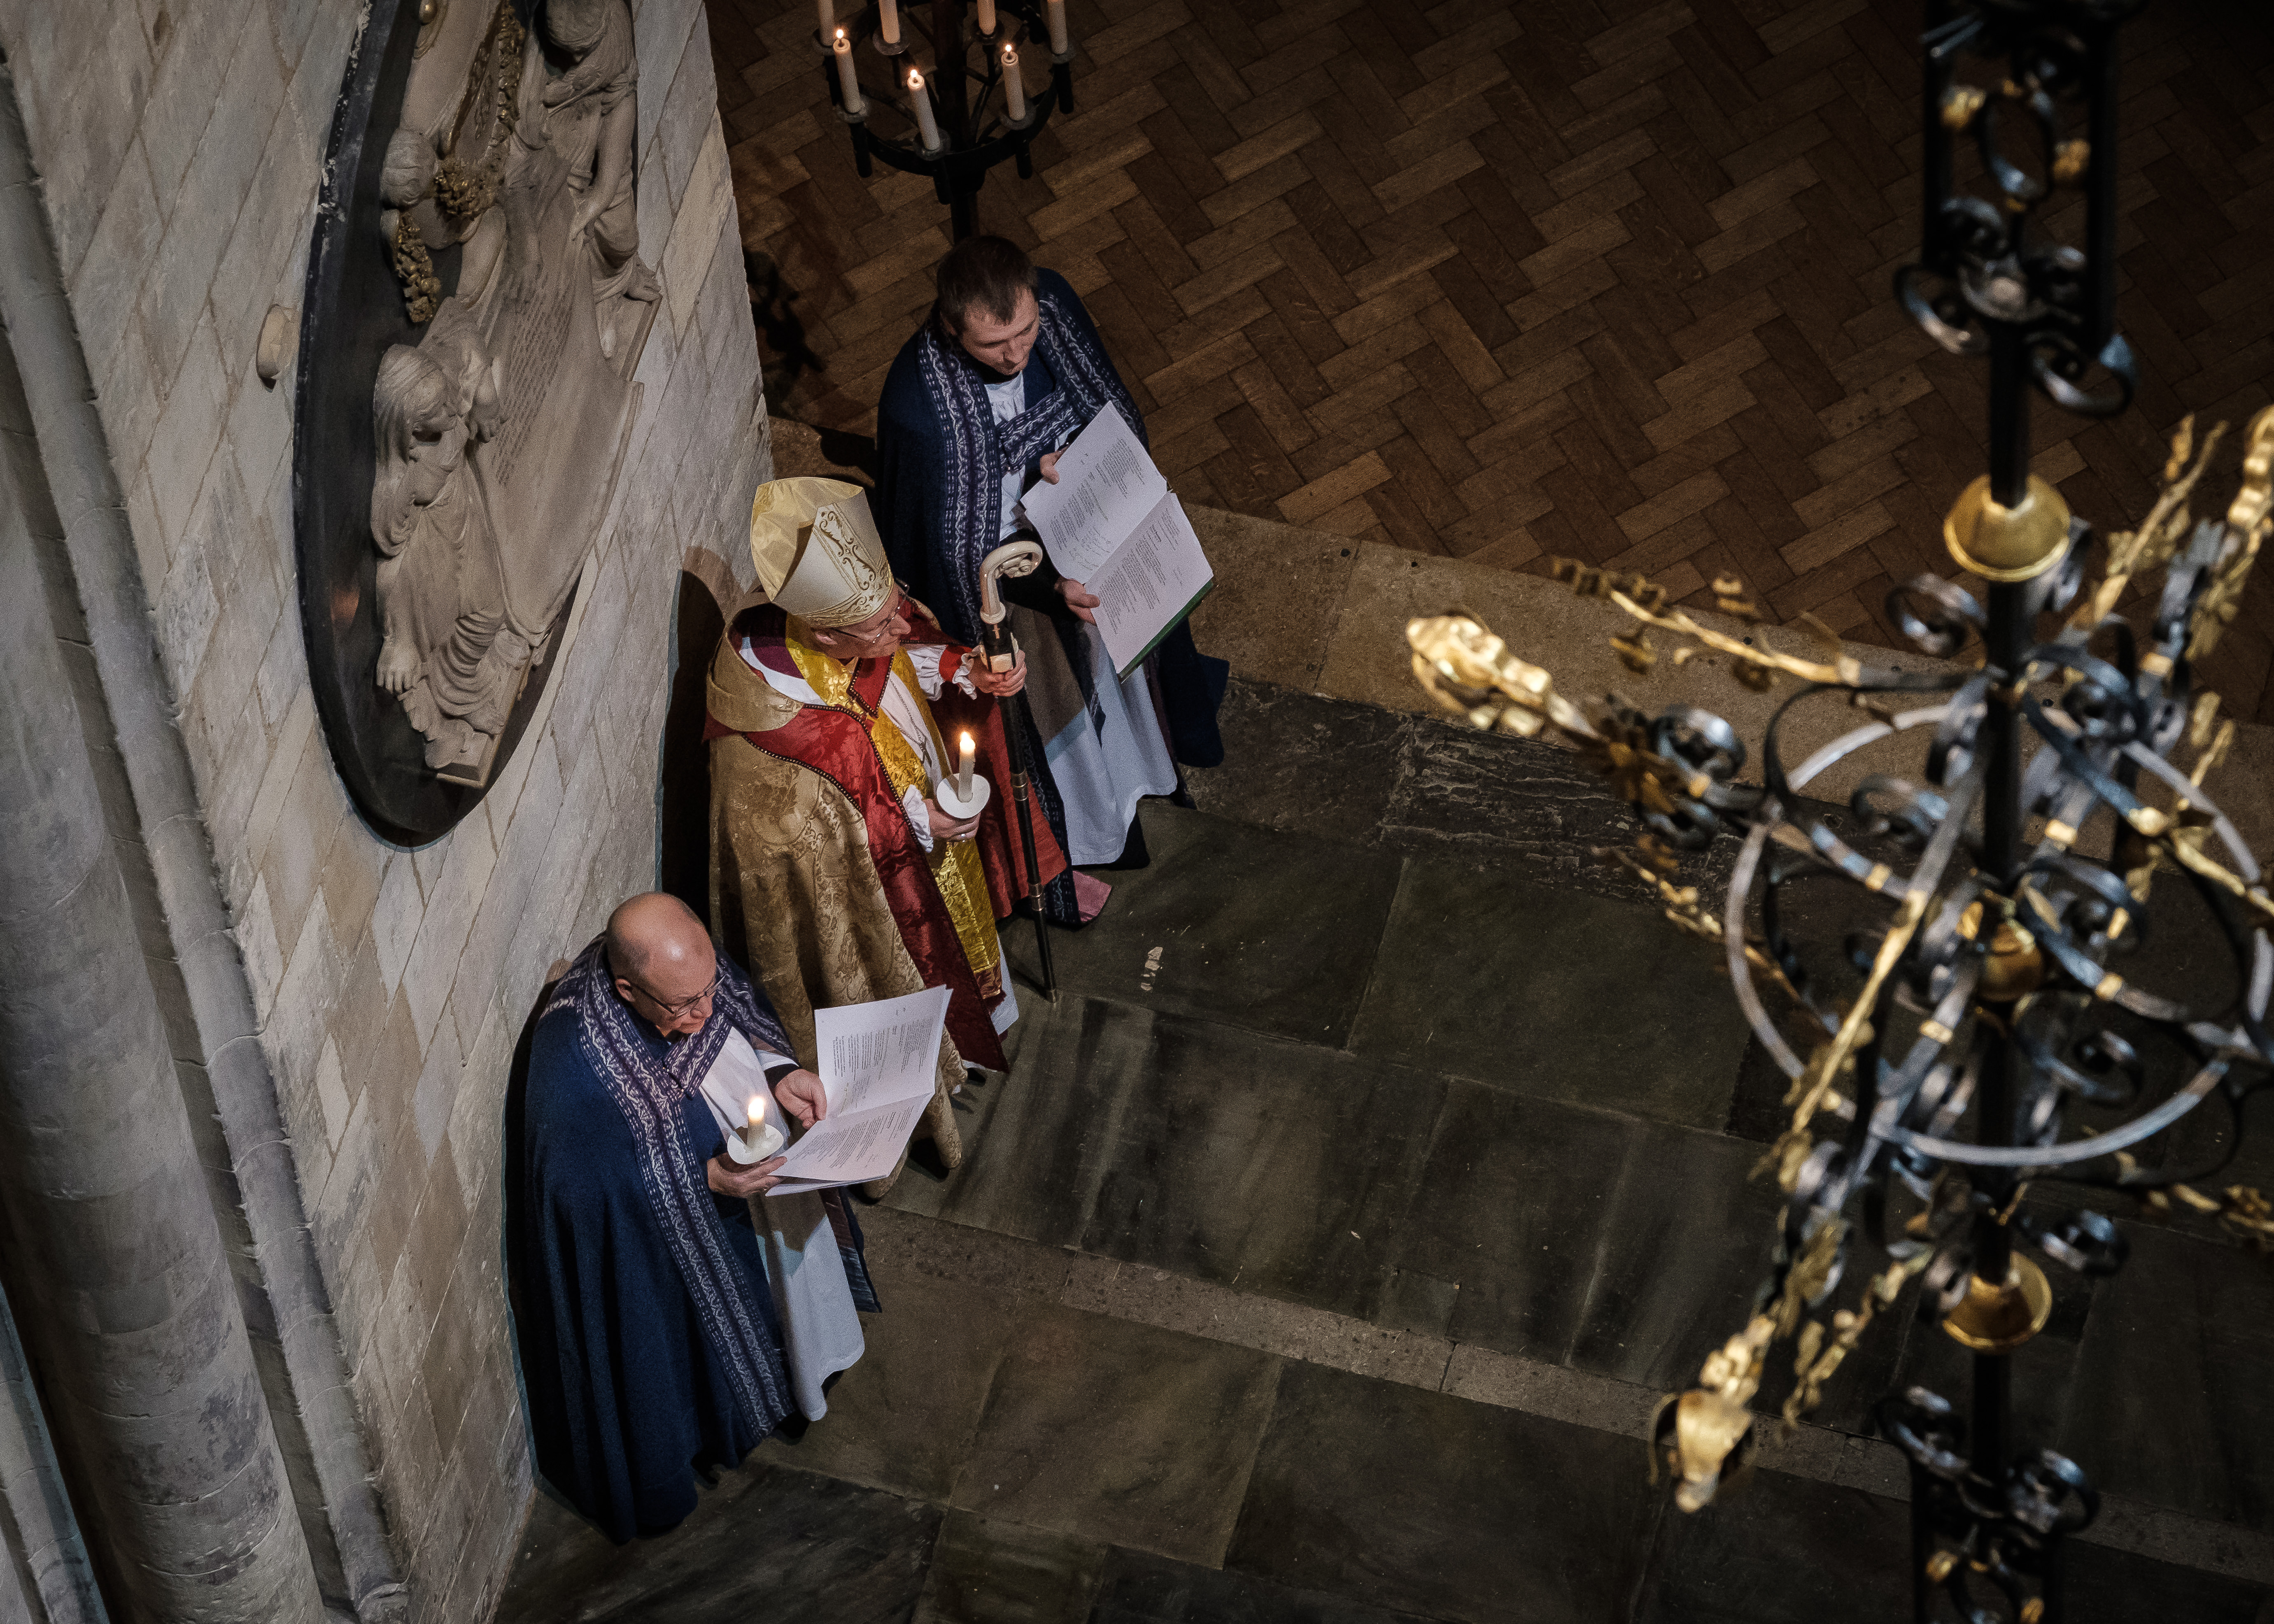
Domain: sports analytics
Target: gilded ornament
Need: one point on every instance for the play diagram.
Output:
(414, 269)
(1697, 1432)
(2008, 544)
(1999, 1319)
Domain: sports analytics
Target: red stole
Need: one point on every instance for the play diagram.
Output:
(836, 745)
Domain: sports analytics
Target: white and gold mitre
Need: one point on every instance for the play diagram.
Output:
(817, 550)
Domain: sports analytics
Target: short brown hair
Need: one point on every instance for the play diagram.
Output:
(990, 272)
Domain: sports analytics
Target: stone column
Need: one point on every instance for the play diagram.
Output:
(113, 1260)
(44, 1577)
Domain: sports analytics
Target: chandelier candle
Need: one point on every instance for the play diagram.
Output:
(848, 82)
(956, 131)
(824, 17)
(1014, 92)
(920, 103)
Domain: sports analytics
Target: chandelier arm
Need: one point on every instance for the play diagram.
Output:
(2250, 1014)
(2136, 1181)
(1836, 852)
(2082, 766)
(1862, 1152)
(2199, 799)
(1904, 1084)
(2081, 968)
(2045, 1058)
(1733, 939)
(2068, 1153)
(1780, 950)
(1871, 733)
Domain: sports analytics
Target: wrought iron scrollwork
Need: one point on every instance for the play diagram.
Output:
(1989, 1024)
(1997, 1534)
(2046, 126)
(1972, 970)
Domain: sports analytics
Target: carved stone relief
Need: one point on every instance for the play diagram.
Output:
(478, 276)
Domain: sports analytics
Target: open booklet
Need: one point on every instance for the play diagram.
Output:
(1113, 523)
(879, 1062)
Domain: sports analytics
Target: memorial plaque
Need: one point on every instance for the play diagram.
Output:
(476, 306)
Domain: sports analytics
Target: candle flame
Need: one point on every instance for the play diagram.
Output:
(757, 1111)
(1010, 56)
(916, 79)
(842, 42)
(966, 742)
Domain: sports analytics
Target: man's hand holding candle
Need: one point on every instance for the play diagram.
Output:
(946, 828)
(800, 1093)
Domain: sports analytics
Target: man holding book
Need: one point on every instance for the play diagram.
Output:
(1006, 370)
(666, 1324)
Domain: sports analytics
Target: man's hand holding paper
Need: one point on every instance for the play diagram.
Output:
(878, 1066)
(1118, 533)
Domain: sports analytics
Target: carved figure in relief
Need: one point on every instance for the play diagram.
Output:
(449, 652)
(450, 152)
(499, 435)
(592, 123)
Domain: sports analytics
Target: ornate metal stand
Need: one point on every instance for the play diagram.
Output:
(970, 104)
(1989, 991)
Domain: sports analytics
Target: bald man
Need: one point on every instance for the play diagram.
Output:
(667, 1321)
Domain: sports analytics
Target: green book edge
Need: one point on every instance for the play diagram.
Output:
(1175, 621)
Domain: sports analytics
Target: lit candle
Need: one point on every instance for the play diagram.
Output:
(758, 1141)
(963, 773)
(1057, 25)
(888, 20)
(1014, 89)
(920, 100)
(848, 83)
(825, 16)
(986, 16)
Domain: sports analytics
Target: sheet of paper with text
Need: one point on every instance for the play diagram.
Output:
(878, 1062)
(1113, 523)
(1106, 485)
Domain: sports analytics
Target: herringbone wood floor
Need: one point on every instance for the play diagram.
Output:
(1510, 279)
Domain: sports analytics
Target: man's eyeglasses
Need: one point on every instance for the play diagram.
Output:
(680, 1008)
(897, 612)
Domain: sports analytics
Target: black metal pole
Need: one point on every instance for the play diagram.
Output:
(1922, 1545)
(2009, 638)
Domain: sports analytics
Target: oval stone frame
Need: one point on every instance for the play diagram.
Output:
(352, 311)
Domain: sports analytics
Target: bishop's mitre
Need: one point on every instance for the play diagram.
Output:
(817, 550)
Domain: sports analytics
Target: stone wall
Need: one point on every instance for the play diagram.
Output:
(180, 148)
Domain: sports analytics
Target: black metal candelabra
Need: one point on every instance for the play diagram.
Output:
(1996, 1024)
(962, 119)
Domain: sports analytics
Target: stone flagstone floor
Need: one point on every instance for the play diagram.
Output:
(1323, 1252)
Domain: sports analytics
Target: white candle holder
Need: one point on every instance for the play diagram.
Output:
(755, 1144)
(955, 805)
